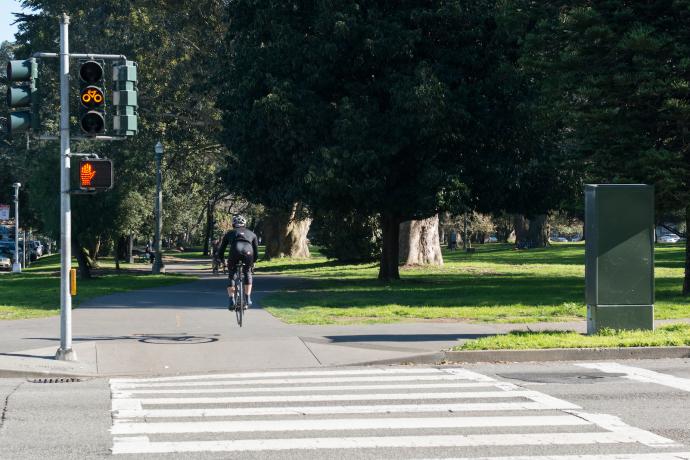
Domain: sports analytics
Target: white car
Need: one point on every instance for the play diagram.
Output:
(5, 262)
(668, 239)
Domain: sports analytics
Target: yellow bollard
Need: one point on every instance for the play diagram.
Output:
(73, 281)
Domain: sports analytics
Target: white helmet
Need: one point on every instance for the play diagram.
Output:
(239, 221)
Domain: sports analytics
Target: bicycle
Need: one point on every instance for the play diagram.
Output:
(217, 265)
(238, 296)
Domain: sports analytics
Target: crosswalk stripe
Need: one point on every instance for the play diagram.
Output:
(295, 381)
(654, 456)
(641, 375)
(338, 397)
(468, 375)
(334, 410)
(138, 446)
(419, 386)
(346, 424)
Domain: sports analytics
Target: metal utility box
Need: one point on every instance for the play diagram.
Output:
(619, 256)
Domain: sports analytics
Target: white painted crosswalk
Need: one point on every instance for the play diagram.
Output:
(385, 412)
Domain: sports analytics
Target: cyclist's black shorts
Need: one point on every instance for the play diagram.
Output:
(241, 251)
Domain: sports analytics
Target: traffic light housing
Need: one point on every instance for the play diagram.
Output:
(23, 97)
(125, 98)
(95, 175)
(91, 98)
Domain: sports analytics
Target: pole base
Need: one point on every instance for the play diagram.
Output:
(66, 355)
(16, 268)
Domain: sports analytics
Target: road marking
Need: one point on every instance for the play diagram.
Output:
(655, 456)
(616, 425)
(122, 446)
(245, 375)
(291, 381)
(334, 410)
(346, 424)
(641, 375)
(420, 386)
(338, 397)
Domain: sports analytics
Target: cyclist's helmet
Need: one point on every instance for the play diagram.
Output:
(239, 221)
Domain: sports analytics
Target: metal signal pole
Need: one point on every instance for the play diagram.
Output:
(65, 352)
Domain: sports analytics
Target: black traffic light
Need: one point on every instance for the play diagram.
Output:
(95, 175)
(91, 98)
(23, 97)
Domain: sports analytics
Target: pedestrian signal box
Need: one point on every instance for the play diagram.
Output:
(95, 175)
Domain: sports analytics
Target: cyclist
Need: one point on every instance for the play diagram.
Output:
(243, 246)
(217, 262)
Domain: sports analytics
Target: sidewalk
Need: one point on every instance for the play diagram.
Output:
(186, 328)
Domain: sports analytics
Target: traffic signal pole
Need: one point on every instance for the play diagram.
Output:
(24, 119)
(65, 352)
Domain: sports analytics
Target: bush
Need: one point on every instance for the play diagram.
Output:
(346, 237)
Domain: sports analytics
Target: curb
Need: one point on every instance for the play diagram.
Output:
(552, 354)
(567, 354)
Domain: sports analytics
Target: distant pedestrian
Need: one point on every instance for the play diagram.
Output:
(453, 240)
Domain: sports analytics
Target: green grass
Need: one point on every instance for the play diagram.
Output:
(34, 293)
(495, 284)
(665, 336)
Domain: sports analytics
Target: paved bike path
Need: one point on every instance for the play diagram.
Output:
(187, 328)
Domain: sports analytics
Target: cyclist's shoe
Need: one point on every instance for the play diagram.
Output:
(249, 301)
(231, 304)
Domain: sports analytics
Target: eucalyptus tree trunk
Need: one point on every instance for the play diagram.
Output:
(531, 232)
(285, 233)
(419, 242)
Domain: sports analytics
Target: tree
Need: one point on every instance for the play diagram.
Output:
(617, 71)
(420, 243)
(170, 44)
(380, 108)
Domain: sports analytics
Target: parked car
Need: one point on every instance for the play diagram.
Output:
(668, 238)
(36, 247)
(558, 239)
(5, 260)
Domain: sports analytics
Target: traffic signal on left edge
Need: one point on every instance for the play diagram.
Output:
(22, 97)
(91, 98)
(95, 175)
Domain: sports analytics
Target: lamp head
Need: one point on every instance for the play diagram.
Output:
(159, 148)
(16, 185)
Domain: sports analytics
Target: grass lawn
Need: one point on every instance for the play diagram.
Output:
(34, 293)
(495, 284)
(665, 336)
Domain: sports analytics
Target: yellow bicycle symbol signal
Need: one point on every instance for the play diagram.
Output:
(92, 96)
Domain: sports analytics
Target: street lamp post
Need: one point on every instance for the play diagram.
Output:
(158, 266)
(16, 266)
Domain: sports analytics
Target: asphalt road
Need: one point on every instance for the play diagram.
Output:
(637, 410)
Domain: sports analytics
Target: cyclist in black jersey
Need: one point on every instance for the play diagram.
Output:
(243, 245)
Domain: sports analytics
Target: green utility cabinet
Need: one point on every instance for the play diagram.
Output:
(619, 256)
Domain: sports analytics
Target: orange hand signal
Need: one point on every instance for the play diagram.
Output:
(86, 174)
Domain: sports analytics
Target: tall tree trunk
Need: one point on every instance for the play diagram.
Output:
(686, 278)
(208, 234)
(82, 259)
(130, 248)
(285, 233)
(419, 242)
(390, 232)
(531, 233)
(539, 231)
(521, 226)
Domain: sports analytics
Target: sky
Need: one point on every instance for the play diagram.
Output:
(7, 7)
